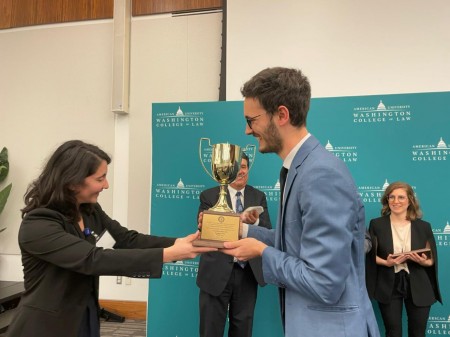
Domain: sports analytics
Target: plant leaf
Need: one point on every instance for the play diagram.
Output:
(4, 194)
(4, 164)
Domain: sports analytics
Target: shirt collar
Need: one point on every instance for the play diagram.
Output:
(290, 157)
(233, 191)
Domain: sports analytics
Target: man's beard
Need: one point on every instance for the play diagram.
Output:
(272, 138)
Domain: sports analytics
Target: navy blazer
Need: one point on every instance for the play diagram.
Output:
(215, 267)
(380, 279)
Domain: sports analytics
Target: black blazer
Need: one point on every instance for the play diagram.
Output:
(215, 268)
(61, 268)
(380, 279)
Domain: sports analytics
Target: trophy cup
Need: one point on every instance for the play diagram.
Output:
(220, 223)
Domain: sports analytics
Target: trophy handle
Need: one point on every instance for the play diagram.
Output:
(200, 155)
(254, 153)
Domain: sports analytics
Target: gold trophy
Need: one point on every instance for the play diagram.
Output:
(220, 223)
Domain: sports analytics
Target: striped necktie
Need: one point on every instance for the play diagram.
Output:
(239, 207)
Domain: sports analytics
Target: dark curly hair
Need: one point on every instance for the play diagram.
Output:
(67, 167)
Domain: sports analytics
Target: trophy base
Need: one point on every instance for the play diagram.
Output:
(208, 243)
(218, 227)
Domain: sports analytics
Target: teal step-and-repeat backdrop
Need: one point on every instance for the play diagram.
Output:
(382, 139)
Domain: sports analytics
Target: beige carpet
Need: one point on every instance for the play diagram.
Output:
(130, 327)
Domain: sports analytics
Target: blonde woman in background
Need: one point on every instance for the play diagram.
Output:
(394, 279)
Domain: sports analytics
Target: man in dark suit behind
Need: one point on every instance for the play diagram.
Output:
(227, 285)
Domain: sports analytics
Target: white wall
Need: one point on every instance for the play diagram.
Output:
(346, 47)
(172, 59)
(54, 86)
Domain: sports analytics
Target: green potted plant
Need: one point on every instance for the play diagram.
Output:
(4, 170)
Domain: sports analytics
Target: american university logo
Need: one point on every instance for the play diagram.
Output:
(438, 325)
(348, 154)
(179, 119)
(427, 153)
(178, 191)
(372, 193)
(186, 269)
(272, 192)
(205, 153)
(395, 113)
(442, 235)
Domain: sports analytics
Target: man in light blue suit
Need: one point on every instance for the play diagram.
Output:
(316, 254)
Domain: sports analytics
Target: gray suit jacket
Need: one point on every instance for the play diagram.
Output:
(215, 268)
(317, 251)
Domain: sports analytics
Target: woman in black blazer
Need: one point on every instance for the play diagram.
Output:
(410, 278)
(60, 254)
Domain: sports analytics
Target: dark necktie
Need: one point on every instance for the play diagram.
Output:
(283, 175)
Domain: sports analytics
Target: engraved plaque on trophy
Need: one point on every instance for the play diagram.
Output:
(220, 223)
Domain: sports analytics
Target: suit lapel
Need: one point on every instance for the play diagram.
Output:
(415, 240)
(249, 197)
(387, 237)
(230, 204)
(298, 160)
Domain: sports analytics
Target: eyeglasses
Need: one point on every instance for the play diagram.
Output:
(400, 198)
(250, 120)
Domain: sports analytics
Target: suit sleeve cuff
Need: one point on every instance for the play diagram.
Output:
(244, 230)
